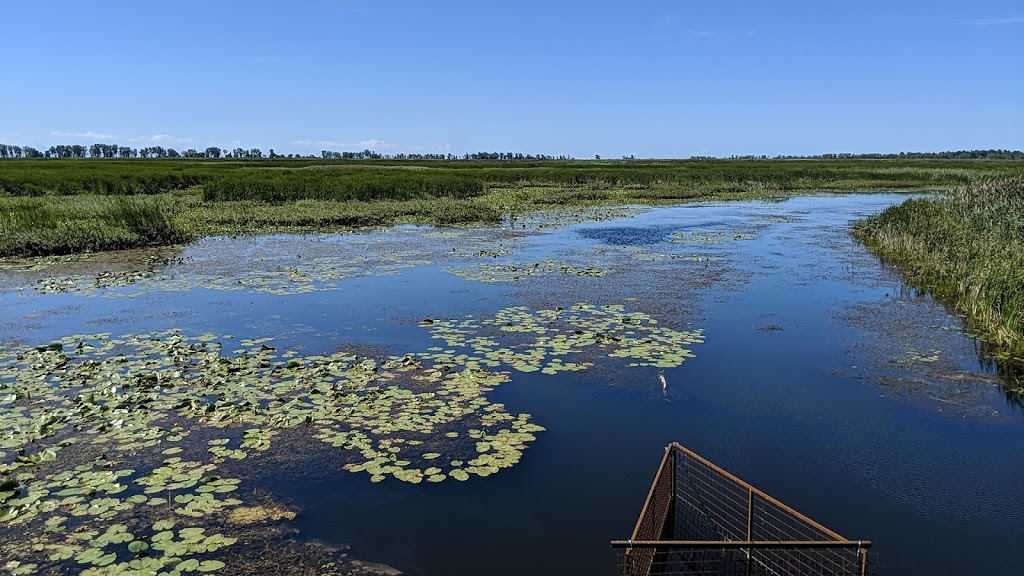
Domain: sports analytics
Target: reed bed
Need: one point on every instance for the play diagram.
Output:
(966, 247)
(368, 184)
(31, 226)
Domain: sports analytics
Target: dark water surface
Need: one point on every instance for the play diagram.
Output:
(822, 381)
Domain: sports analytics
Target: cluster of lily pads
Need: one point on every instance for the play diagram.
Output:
(709, 237)
(292, 277)
(642, 255)
(555, 218)
(928, 357)
(99, 515)
(543, 340)
(124, 392)
(134, 399)
(486, 272)
(39, 263)
(116, 452)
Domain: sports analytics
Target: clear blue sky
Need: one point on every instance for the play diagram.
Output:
(648, 78)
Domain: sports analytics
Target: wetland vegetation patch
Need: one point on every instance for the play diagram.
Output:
(542, 340)
(96, 471)
(61, 206)
(967, 248)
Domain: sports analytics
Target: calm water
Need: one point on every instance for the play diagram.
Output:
(810, 384)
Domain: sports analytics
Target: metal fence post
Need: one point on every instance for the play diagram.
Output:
(670, 518)
(750, 527)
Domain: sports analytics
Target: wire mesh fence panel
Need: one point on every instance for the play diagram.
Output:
(669, 559)
(700, 519)
(708, 505)
(688, 562)
(653, 518)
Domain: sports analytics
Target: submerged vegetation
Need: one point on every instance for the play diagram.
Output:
(63, 206)
(966, 247)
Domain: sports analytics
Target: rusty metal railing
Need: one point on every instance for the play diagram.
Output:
(700, 519)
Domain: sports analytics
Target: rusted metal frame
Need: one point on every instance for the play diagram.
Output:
(640, 563)
(862, 545)
(767, 498)
(670, 511)
(650, 494)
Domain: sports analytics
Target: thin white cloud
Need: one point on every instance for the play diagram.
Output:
(435, 148)
(89, 134)
(697, 32)
(1015, 19)
(316, 143)
(163, 139)
(375, 144)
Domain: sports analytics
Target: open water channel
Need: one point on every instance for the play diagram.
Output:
(813, 373)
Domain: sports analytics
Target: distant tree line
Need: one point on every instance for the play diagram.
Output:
(116, 151)
(371, 155)
(957, 155)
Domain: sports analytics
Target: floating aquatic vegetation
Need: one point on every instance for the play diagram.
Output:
(927, 357)
(135, 398)
(542, 340)
(764, 218)
(485, 272)
(245, 515)
(555, 218)
(121, 392)
(649, 256)
(709, 237)
(292, 277)
(493, 252)
(480, 249)
(39, 263)
(96, 515)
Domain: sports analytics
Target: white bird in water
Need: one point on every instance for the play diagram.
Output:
(661, 378)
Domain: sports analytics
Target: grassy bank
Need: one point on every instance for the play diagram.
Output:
(967, 247)
(65, 206)
(31, 226)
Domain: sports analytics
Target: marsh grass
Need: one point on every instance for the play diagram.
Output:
(102, 177)
(33, 226)
(367, 184)
(966, 247)
(248, 216)
(68, 206)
